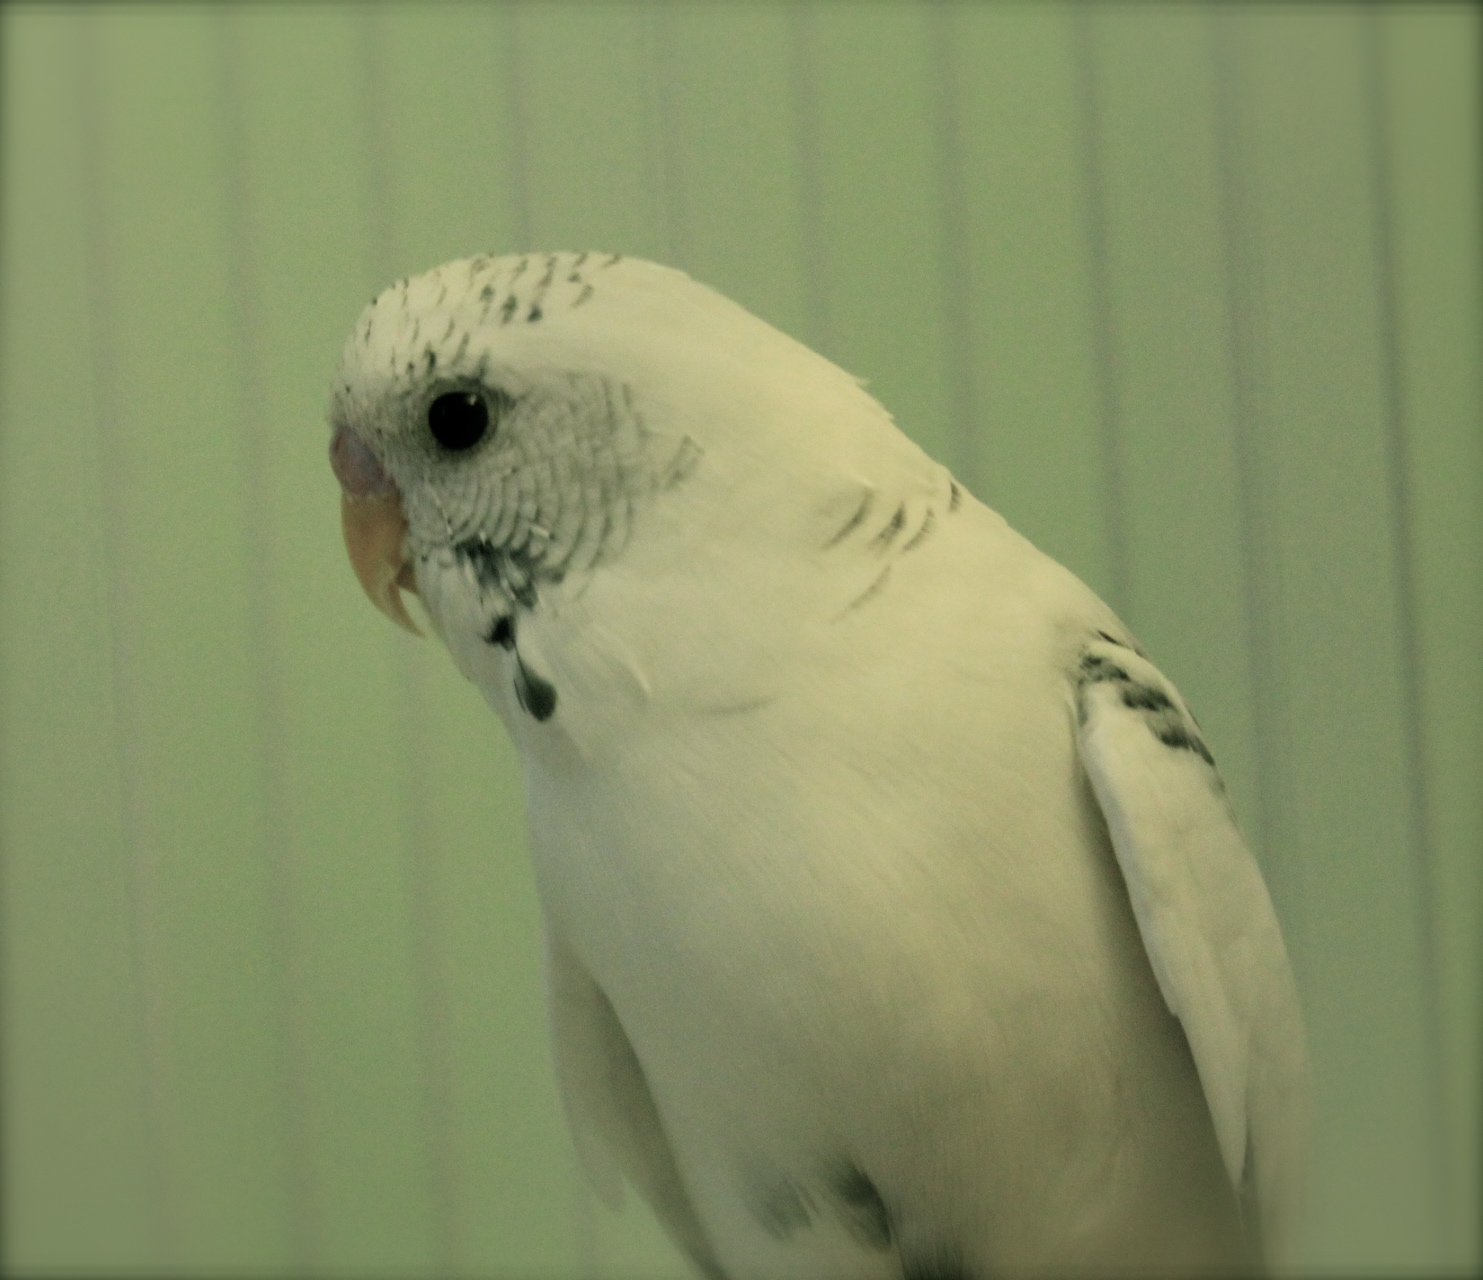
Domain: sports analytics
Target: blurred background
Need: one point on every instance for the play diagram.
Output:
(1189, 292)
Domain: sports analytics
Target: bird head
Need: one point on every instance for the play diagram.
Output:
(505, 422)
(479, 433)
(505, 427)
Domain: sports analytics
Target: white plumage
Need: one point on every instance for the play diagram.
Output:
(821, 760)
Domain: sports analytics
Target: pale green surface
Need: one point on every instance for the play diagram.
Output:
(1192, 297)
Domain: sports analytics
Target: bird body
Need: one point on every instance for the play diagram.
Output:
(876, 860)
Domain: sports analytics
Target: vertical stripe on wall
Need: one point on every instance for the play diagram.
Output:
(265, 634)
(1190, 293)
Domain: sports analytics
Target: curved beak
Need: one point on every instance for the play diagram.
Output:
(375, 526)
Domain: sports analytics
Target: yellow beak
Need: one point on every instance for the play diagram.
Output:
(374, 532)
(375, 526)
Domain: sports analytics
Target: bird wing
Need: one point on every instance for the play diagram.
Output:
(610, 1111)
(1207, 924)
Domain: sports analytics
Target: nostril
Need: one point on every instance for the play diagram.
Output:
(359, 472)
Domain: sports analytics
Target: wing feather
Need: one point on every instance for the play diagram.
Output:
(615, 1125)
(1207, 924)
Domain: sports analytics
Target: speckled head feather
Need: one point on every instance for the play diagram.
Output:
(607, 381)
(470, 294)
(687, 348)
(438, 325)
(553, 485)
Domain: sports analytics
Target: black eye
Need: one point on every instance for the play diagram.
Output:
(458, 420)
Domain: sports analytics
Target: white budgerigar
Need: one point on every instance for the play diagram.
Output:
(897, 923)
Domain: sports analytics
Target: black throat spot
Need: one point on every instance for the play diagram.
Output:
(536, 694)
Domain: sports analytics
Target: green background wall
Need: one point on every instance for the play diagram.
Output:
(1190, 293)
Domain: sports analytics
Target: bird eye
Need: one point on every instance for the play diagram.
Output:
(458, 420)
